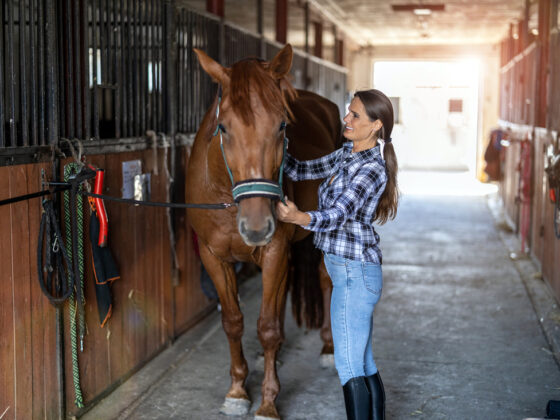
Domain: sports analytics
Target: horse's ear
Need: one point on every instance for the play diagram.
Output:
(280, 65)
(217, 72)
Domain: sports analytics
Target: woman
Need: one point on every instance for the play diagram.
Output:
(360, 188)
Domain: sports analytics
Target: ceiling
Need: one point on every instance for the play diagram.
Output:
(374, 22)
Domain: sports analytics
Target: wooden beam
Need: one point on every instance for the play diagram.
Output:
(281, 21)
(318, 51)
(339, 48)
(543, 40)
(306, 24)
(216, 7)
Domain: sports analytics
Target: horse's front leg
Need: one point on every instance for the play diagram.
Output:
(270, 325)
(223, 275)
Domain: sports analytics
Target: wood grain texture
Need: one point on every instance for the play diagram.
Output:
(7, 378)
(21, 292)
(143, 319)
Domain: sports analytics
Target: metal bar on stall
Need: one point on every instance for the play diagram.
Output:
(103, 58)
(33, 72)
(170, 110)
(22, 76)
(136, 14)
(85, 68)
(11, 76)
(77, 70)
(129, 73)
(108, 26)
(94, 12)
(159, 40)
(115, 74)
(69, 76)
(123, 85)
(153, 97)
(180, 63)
(41, 73)
(51, 77)
(2, 117)
(143, 85)
(191, 72)
(102, 55)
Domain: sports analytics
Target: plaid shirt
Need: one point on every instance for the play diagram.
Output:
(343, 224)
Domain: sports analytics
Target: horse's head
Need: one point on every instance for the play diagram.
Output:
(250, 122)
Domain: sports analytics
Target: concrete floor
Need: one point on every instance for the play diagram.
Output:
(460, 332)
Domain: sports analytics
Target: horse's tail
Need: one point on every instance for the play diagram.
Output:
(305, 287)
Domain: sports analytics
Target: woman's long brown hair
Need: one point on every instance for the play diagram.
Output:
(379, 107)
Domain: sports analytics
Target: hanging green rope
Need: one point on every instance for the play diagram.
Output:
(69, 170)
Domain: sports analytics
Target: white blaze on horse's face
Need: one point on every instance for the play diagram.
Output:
(255, 152)
(251, 115)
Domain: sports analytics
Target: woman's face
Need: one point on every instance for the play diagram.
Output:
(358, 126)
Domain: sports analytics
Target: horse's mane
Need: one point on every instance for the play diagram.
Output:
(253, 75)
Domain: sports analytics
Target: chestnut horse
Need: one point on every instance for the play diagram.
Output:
(241, 141)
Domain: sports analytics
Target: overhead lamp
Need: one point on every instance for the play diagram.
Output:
(422, 12)
(419, 9)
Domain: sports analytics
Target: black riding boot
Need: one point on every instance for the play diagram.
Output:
(357, 399)
(375, 387)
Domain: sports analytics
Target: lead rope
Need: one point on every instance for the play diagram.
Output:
(69, 170)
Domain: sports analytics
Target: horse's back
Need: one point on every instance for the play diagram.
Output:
(314, 132)
(316, 129)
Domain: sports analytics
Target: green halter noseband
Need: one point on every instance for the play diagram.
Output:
(254, 187)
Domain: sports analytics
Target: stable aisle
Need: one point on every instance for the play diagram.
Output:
(456, 335)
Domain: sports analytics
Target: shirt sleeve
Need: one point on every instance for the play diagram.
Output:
(364, 183)
(298, 170)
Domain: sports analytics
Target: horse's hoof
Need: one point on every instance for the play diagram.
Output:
(235, 407)
(326, 361)
(267, 413)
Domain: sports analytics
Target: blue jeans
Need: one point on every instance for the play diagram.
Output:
(356, 289)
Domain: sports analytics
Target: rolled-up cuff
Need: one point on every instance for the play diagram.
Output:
(313, 223)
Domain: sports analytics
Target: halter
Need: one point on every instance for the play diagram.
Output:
(253, 187)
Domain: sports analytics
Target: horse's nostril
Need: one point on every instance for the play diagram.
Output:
(270, 225)
(242, 228)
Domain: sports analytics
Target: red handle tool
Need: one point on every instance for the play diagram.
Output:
(100, 207)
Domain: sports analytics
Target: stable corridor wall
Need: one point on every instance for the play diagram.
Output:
(149, 310)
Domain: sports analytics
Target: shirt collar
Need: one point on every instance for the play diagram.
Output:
(364, 154)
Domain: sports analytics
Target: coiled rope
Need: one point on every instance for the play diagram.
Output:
(73, 218)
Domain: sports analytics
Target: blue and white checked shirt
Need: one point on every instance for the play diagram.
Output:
(343, 224)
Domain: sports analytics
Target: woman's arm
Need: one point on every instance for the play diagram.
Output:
(298, 170)
(366, 180)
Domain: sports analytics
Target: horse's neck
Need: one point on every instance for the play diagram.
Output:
(209, 155)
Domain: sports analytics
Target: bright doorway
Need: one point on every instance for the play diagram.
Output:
(436, 112)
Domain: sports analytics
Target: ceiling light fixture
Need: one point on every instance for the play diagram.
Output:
(419, 9)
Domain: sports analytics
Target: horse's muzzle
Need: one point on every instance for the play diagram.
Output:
(256, 237)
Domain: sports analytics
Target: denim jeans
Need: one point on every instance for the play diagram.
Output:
(356, 289)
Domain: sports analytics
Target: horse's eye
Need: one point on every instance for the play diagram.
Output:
(222, 128)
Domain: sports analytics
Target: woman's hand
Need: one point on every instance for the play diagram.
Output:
(289, 213)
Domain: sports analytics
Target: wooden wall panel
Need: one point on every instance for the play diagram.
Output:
(21, 291)
(510, 184)
(7, 378)
(539, 195)
(43, 328)
(143, 319)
